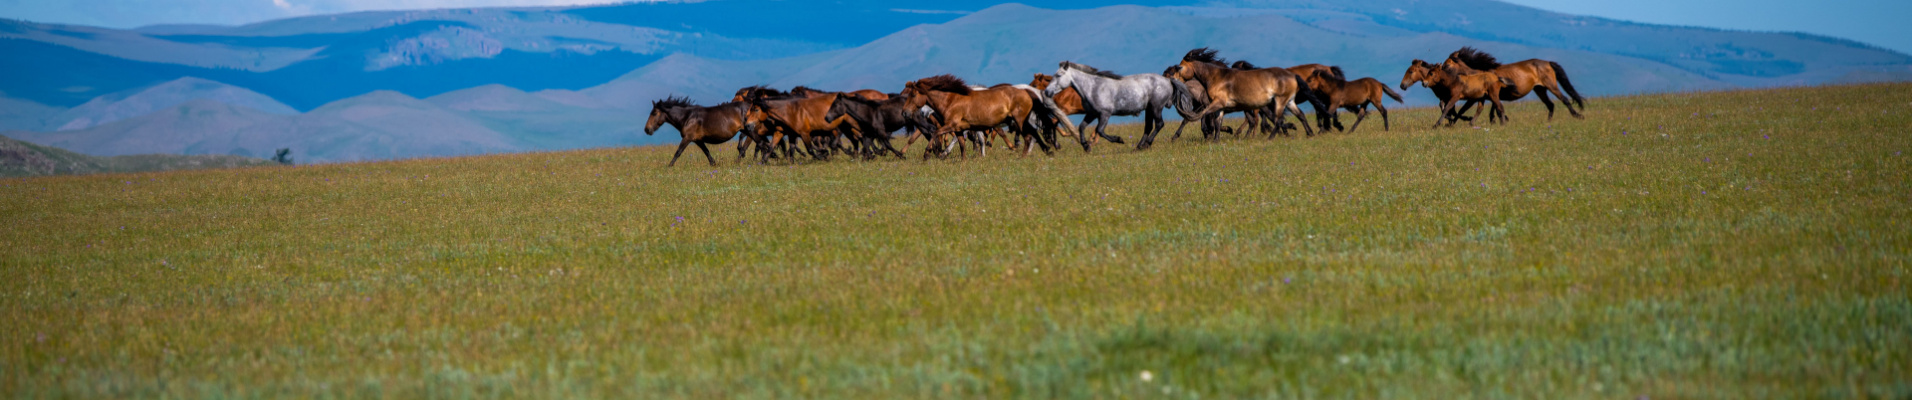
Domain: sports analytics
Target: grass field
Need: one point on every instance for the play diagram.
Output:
(1720, 245)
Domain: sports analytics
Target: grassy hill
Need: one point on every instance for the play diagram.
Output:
(1712, 245)
(21, 159)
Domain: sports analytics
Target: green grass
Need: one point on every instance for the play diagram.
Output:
(1719, 245)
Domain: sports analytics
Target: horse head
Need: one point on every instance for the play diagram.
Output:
(1419, 71)
(670, 109)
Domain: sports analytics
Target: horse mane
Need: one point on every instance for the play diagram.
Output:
(1091, 70)
(1203, 55)
(1330, 76)
(1243, 65)
(802, 89)
(671, 102)
(765, 91)
(1476, 59)
(1337, 72)
(944, 83)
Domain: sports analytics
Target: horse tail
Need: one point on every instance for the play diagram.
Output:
(1336, 70)
(1302, 92)
(1389, 92)
(1560, 73)
(1049, 107)
(1184, 102)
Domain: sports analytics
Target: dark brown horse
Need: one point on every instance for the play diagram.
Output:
(876, 119)
(1527, 76)
(1355, 96)
(1245, 90)
(700, 125)
(963, 108)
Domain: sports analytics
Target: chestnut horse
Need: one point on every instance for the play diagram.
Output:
(1467, 87)
(1355, 96)
(963, 108)
(700, 125)
(1244, 90)
(1526, 77)
(1422, 72)
(804, 118)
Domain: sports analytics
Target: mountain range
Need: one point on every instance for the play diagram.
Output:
(399, 84)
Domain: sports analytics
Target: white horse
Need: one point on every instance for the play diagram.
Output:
(1106, 94)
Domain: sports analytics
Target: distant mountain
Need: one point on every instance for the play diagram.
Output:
(137, 102)
(18, 159)
(493, 97)
(375, 126)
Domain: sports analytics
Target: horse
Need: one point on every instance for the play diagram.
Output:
(1322, 111)
(1526, 76)
(1338, 93)
(1468, 87)
(804, 118)
(1422, 72)
(963, 108)
(700, 125)
(1245, 90)
(877, 119)
(1108, 95)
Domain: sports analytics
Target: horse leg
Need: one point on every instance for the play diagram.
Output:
(1446, 108)
(1564, 100)
(1490, 116)
(1542, 94)
(1301, 117)
(680, 152)
(1360, 114)
(1148, 128)
(713, 161)
(1101, 123)
(1384, 115)
(1460, 115)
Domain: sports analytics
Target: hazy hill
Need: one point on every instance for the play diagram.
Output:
(19, 159)
(22, 114)
(133, 103)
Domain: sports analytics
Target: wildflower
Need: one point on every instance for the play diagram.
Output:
(1147, 376)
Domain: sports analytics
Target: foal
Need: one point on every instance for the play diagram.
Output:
(1337, 94)
(700, 125)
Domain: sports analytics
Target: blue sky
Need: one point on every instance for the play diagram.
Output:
(1878, 22)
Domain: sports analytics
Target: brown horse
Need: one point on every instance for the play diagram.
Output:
(963, 108)
(1422, 72)
(700, 125)
(1323, 113)
(1247, 90)
(1355, 96)
(1467, 87)
(804, 118)
(1526, 77)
